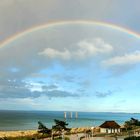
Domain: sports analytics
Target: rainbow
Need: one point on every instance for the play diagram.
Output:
(61, 23)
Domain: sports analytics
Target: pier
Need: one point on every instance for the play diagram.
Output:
(65, 115)
(70, 115)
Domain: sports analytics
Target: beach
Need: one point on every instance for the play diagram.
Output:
(23, 133)
(17, 133)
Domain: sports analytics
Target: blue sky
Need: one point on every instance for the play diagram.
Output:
(74, 67)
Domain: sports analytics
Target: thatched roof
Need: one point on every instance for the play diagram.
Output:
(110, 124)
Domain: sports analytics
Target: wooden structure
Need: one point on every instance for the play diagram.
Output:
(110, 127)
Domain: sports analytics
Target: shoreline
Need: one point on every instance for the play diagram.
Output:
(23, 133)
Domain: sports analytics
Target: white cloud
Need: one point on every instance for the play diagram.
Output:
(32, 86)
(53, 53)
(94, 47)
(127, 59)
(85, 48)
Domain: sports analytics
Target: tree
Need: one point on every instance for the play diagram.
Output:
(132, 123)
(43, 129)
(60, 125)
(128, 125)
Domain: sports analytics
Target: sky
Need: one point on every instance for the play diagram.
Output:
(70, 55)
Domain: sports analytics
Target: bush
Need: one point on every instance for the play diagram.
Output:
(132, 138)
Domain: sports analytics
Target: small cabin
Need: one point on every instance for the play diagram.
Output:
(110, 127)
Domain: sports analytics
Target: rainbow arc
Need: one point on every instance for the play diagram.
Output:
(68, 22)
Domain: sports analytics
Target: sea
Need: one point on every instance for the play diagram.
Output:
(28, 120)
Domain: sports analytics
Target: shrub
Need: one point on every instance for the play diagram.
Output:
(132, 138)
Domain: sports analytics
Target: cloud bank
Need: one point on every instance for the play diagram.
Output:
(126, 59)
(83, 50)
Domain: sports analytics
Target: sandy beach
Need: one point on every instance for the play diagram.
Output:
(17, 133)
(22, 133)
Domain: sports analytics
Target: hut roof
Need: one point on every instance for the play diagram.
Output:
(110, 124)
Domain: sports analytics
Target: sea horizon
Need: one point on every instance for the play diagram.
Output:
(72, 111)
(28, 120)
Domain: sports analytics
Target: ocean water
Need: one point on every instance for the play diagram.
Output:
(25, 120)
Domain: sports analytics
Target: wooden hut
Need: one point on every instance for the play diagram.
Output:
(110, 127)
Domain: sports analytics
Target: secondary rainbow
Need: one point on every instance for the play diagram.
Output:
(61, 23)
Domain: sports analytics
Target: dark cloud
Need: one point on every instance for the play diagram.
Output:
(67, 78)
(107, 93)
(19, 89)
(85, 83)
(104, 94)
(38, 75)
(60, 93)
(16, 89)
(81, 90)
(49, 87)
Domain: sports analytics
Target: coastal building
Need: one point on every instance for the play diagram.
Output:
(110, 127)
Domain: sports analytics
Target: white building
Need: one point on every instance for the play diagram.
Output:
(110, 127)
